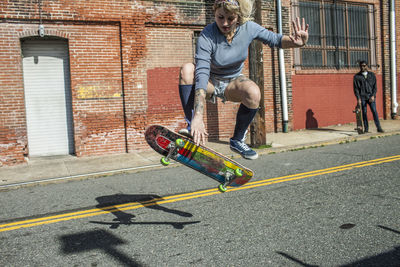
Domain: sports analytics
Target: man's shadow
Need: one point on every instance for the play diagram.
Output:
(311, 121)
(115, 204)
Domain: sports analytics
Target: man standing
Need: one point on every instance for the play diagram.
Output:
(364, 84)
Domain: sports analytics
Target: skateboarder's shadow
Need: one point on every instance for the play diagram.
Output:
(116, 204)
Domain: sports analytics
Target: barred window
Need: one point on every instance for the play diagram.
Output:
(340, 34)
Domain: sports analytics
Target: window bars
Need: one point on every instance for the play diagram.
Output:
(340, 34)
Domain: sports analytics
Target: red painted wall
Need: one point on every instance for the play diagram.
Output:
(164, 105)
(320, 100)
(398, 91)
(162, 91)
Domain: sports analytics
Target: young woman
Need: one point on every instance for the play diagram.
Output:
(221, 51)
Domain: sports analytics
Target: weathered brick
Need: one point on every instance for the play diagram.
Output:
(124, 64)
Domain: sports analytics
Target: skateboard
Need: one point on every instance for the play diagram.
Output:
(359, 119)
(200, 158)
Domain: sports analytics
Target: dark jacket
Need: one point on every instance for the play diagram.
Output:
(364, 88)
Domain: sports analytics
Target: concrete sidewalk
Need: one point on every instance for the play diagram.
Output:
(54, 169)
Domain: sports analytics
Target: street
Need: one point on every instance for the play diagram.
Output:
(336, 205)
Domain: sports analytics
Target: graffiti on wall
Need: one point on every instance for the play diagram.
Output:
(97, 91)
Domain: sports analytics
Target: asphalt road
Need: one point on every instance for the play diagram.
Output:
(329, 206)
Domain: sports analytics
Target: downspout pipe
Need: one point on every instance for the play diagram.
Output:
(393, 78)
(282, 73)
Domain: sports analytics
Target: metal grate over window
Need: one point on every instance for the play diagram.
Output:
(340, 34)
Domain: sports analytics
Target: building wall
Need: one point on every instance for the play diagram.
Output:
(397, 13)
(272, 93)
(124, 67)
(385, 46)
(13, 139)
(115, 48)
(168, 48)
(321, 100)
(310, 87)
(95, 69)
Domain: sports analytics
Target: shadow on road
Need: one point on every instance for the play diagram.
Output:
(389, 258)
(116, 203)
(100, 240)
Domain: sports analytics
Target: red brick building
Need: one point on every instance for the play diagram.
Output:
(104, 70)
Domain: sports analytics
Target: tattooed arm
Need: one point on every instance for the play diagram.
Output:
(197, 126)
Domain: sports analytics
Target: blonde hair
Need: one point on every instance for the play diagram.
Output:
(244, 10)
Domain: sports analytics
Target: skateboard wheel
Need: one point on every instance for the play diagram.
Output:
(222, 188)
(164, 161)
(179, 143)
(239, 172)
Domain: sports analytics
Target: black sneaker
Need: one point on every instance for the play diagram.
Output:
(380, 130)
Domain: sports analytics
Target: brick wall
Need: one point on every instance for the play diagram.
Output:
(124, 61)
(110, 58)
(384, 13)
(96, 85)
(272, 96)
(168, 48)
(320, 100)
(13, 139)
(326, 96)
(397, 11)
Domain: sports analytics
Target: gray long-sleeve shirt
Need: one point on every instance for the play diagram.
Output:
(216, 56)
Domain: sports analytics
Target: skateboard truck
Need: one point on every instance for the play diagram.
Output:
(229, 175)
(173, 148)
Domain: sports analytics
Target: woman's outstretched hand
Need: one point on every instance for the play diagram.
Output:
(300, 32)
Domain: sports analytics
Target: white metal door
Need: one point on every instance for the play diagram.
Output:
(47, 97)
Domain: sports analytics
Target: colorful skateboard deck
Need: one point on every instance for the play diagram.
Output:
(200, 158)
(359, 119)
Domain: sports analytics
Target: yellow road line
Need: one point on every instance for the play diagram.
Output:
(175, 198)
(109, 209)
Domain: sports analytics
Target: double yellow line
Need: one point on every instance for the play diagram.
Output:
(27, 223)
(319, 172)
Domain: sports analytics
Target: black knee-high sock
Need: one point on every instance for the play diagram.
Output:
(186, 92)
(244, 117)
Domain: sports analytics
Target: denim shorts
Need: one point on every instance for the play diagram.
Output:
(220, 85)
